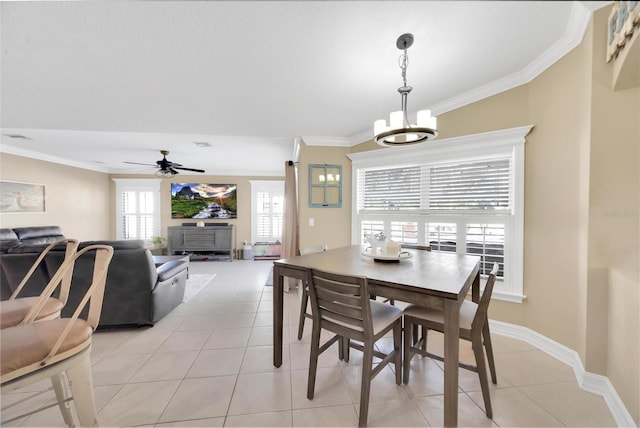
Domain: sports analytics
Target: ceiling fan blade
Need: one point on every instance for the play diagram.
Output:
(138, 163)
(187, 169)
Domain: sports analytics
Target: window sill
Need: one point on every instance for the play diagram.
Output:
(507, 297)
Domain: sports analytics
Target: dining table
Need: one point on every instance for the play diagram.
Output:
(439, 280)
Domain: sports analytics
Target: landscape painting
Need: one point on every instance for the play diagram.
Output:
(202, 201)
(16, 197)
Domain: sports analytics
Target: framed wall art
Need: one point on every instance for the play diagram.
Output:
(325, 186)
(18, 197)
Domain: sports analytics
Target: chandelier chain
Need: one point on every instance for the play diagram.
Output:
(403, 61)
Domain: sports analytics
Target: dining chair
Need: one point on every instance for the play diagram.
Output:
(341, 305)
(474, 327)
(14, 310)
(32, 351)
(305, 289)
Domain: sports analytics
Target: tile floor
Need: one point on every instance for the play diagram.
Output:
(209, 363)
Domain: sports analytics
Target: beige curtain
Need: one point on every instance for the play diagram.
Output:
(290, 229)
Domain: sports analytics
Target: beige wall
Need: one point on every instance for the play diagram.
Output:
(76, 199)
(614, 227)
(332, 225)
(242, 224)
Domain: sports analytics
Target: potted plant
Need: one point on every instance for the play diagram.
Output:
(159, 247)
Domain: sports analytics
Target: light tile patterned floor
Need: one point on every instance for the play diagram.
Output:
(209, 363)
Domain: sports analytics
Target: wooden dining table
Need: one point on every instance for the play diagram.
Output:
(433, 279)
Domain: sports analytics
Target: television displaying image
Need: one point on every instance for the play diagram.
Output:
(202, 201)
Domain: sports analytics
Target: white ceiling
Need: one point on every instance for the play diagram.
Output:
(93, 84)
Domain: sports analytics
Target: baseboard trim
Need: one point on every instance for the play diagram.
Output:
(590, 382)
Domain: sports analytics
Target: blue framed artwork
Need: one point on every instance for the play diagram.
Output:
(325, 186)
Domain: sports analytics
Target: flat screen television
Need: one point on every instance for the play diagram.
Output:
(202, 201)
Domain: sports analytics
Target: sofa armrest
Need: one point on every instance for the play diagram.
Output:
(171, 269)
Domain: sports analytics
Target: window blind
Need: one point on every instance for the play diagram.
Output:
(391, 189)
(487, 241)
(269, 215)
(470, 186)
(138, 218)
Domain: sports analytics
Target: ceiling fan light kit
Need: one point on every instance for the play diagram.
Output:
(400, 132)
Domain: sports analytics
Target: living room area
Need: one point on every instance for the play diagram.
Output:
(564, 316)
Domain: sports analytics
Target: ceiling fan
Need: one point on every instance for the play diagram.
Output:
(166, 168)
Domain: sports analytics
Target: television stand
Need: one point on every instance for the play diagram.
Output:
(210, 243)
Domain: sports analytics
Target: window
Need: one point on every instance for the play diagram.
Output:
(461, 195)
(137, 208)
(267, 200)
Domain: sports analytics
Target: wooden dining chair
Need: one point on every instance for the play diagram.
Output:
(341, 305)
(305, 290)
(32, 351)
(14, 310)
(474, 327)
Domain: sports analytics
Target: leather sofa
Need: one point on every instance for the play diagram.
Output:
(137, 291)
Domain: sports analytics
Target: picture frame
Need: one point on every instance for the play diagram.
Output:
(325, 186)
(18, 197)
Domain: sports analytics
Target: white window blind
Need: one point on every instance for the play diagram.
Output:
(269, 216)
(368, 228)
(267, 210)
(470, 186)
(405, 232)
(391, 189)
(137, 208)
(487, 241)
(441, 236)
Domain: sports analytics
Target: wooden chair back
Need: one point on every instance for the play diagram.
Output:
(483, 304)
(340, 303)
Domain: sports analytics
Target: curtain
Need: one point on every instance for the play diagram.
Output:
(290, 229)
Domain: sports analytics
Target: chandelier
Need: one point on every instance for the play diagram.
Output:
(400, 132)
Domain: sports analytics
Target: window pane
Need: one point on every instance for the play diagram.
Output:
(130, 230)
(146, 202)
(278, 204)
(128, 202)
(487, 241)
(370, 228)
(441, 236)
(477, 186)
(146, 227)
(405, 232)
(263, 202)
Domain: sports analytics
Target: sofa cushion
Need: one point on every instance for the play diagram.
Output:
(28, 248)
(8, 239)
(38, 235)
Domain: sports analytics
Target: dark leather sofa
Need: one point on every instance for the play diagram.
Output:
(137, 291)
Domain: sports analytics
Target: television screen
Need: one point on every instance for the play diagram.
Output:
(198, 200)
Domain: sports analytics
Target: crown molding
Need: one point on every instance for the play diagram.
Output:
(12, 150)
(327, 141)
